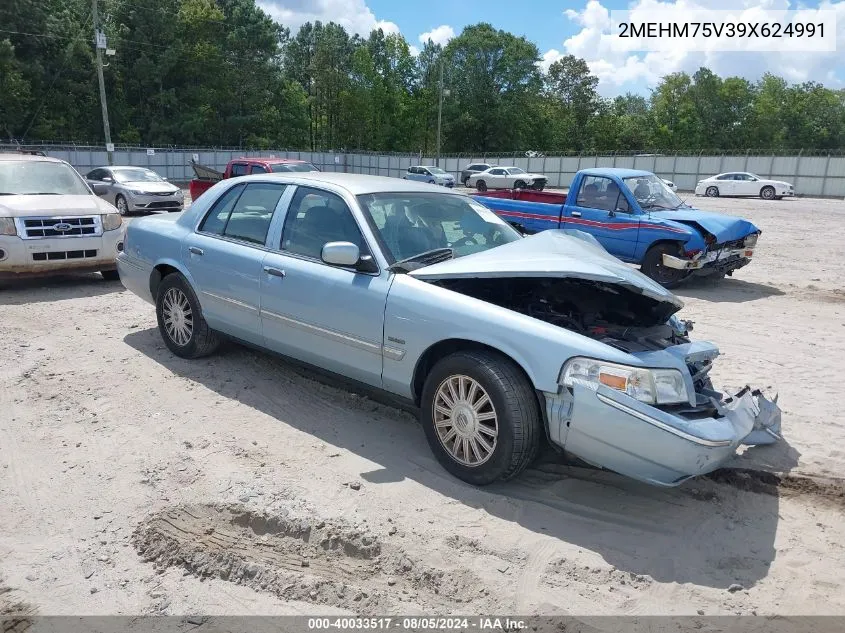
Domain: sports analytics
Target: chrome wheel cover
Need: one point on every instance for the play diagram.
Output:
(465, 420)
(122, 206)
(177, 316)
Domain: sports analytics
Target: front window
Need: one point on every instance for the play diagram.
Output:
(409, 224)
(652, 193)
(37, 177)
(516, 170)
(435, 170)
(287, 167)
(136, 175)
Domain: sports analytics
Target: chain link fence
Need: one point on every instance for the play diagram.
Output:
(812, 172)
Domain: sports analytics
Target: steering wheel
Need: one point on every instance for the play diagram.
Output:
(467, 240)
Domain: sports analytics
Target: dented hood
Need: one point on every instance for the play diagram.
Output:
(725, 228)
(555, 253)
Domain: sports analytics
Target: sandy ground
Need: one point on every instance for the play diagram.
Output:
(133, 482)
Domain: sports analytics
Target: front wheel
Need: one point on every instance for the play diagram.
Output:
(767, 193)
(180, 321)
(122, 206)
(481, 417)
(653, 267)
(481, 185)
(712, 192)
(110, 275)
(519, 184)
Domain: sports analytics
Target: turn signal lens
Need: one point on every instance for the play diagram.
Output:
(7, 226)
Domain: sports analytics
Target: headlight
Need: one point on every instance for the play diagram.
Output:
(136, 192)
(653, 386)
(7, 227)
(179, 193)
(111, 221)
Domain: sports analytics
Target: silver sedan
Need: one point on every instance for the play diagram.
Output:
(137, 189)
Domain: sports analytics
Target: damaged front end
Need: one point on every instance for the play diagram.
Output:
(659, 419)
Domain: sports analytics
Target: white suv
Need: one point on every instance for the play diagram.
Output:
(52, 221)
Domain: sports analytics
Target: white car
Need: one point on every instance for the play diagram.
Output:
(743, 183)
(506, 178)
(670, 184)
(51, 221)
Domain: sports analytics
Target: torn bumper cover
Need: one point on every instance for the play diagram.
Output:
(722, 261)
(660, 446)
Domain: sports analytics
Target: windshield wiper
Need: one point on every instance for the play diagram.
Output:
(425, 258)
(40, 193)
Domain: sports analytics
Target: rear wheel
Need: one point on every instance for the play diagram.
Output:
(653, 267)
(180, 321)
(481, 417)
(767, 192)
(481, 185)
(712, 192)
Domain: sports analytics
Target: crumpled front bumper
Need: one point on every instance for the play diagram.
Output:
(664, 447)
(719, 261)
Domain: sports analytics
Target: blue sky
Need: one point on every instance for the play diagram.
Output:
(581, 28)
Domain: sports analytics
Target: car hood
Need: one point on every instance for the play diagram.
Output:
(553, 253)
(52, 206)
(151, 187)
(444, 176)
(725, 228)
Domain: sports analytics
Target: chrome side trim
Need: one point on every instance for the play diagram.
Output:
(393, 353)
(233, 302)
(661, 425)
(329, 334)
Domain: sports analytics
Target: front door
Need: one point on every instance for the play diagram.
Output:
(328, 316)
(604, 211)
(224, 257)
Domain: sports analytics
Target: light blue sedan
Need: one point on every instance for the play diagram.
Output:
(430, 174)
(502, 341)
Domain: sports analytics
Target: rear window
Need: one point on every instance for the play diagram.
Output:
(288, 167)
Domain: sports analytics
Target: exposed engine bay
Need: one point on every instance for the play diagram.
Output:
(610, 313)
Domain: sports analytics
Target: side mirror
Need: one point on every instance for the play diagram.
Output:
(108, 179)
(164, 178)
(99, 190)
(340, 254)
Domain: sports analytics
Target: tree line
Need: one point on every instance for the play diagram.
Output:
(223, 73)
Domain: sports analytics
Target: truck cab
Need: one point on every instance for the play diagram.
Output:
(207, 177)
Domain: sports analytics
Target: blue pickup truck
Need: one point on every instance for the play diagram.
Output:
(637, 218)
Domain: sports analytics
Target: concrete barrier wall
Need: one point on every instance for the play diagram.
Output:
(817, 175)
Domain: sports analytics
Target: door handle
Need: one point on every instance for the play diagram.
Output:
(576, 214)
(196, 250)
(276, 272)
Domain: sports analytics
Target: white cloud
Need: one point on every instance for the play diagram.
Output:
(353, 15)
(549, 58)
(620, 70)
(439, 35)
(414, 50)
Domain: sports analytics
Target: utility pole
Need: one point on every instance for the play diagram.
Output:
(439, 111)
(99, 45)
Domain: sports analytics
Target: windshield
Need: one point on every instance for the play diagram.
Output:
(652, 193)
(409, 224)
(136, 175)
(40, 177)
(285, 167)
(435, 170)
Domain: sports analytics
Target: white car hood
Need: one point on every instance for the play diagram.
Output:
(553, 253)
(151, 187)
(52, 206)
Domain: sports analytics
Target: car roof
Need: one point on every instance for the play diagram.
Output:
(619, 172)
(14, 156)
(267, 160)
(355, 184)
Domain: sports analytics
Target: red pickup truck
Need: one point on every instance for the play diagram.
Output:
(208, 177)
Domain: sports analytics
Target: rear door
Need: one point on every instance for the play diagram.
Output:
(224, 257)
(600, 208)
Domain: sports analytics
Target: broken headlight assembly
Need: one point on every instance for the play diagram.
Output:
(751, 240)
(652, 386)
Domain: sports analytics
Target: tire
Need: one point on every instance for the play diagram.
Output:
(653, 267)
(201, 340)
(512, 402)
(122, 206)
(465, 181)
(519, 184)
(767, 192)
(481, 185)
(538, 187)
(110, 275)
(712, 192)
